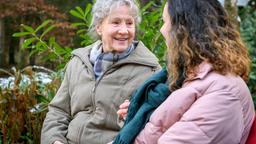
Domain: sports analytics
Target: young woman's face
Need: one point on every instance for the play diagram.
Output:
(166, 27)
(117, 30)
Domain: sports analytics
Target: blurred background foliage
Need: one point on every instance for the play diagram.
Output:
(248, 34)
(33, 55)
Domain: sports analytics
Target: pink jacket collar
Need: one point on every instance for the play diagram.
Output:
(203, 69)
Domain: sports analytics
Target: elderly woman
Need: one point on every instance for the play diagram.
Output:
(99, 78)
(214, 104)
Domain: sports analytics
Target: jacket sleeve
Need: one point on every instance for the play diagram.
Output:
(184, 132)
(215, 117)
(58, 117)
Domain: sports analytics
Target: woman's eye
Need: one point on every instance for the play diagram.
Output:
(129, 23)
(115, 22)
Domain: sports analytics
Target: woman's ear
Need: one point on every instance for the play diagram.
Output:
(98, 29)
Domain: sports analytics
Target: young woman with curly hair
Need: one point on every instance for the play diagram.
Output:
(214, 104)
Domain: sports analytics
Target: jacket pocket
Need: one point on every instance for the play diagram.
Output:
(74, 127)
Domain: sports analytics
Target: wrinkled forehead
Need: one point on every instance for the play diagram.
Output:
(122, 12)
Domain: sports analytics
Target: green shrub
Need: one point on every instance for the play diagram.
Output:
(248, 33)
(37, 42)
(23, 106)
(149, 30)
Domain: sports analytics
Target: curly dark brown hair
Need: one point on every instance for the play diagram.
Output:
(201, 31)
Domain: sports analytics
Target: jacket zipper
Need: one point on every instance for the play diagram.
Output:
(95, 86)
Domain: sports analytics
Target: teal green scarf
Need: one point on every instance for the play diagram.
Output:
(144, 101)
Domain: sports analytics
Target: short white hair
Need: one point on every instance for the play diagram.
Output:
(102, 8)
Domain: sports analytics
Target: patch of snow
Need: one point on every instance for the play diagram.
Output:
(41, 77)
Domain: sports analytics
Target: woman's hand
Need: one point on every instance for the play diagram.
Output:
(123, 108)
(58, 142)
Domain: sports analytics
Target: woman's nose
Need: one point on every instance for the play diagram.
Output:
(123, 29)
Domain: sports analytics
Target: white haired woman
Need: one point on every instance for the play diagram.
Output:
(99, 78)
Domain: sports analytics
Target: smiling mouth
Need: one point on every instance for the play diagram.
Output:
(121, 39)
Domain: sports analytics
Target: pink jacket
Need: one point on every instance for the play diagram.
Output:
(210, 109)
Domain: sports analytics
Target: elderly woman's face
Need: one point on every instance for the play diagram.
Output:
(117, 30)
(166, 27)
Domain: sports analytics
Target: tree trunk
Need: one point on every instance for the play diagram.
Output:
(21, 55)
(4, 51)
(231, 7)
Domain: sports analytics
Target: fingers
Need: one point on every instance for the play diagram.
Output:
(122, 112)
(125, 104)
(123, 108)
